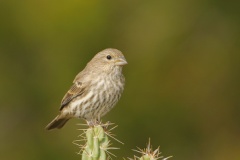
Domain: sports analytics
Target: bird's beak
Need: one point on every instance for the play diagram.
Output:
(121, 61)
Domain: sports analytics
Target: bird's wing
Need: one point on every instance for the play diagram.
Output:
(76, 90)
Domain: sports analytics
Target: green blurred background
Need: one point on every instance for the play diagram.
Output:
(182, 80)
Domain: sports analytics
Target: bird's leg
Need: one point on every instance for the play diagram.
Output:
(90, 123)
(98, 119)
(93, 122)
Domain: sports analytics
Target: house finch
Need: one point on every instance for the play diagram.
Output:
(95, 90)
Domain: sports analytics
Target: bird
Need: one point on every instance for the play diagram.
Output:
(95, 90)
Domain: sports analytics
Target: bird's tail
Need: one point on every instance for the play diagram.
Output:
(57, 122)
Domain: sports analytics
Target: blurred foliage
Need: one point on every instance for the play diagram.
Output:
(182, 79)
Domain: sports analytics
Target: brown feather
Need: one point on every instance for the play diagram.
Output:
(76, 90)
(57, 123)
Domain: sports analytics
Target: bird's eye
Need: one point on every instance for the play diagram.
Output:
(109, 57)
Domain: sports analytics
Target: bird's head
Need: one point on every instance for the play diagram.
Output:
(108, 60)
